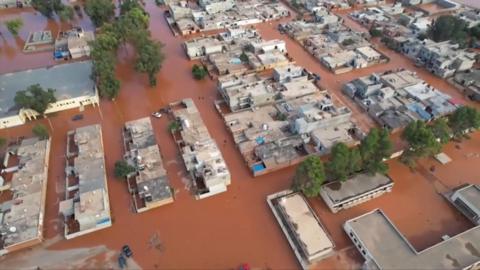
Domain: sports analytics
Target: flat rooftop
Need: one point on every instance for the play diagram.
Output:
(308, 229)
(339, 191)
(391, 250)
(471, 194)
(23, 216)
(69, 80)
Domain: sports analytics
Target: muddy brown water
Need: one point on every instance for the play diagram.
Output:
(235, 227)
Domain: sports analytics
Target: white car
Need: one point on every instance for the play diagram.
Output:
(156, 114)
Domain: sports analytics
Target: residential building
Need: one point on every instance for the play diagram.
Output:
(441, 58)
(73, 44)
(14, 3)
(23, 215)
(38, 41)
(469, 83)
(339, 195)
(281, 134)
(396, 98)
(384, 247)
(86, 207)
(303, 229)
(148, 184)
(199, 151)
(72, 82)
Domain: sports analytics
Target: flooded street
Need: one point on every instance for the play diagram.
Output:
(234, 227)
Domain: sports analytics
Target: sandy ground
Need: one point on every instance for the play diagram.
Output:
(235, 227)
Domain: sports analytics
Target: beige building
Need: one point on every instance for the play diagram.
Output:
(149, 184)
(384, 247)
(200, 152)
(86, 207)
(72, 82)
(303, 229)
(22, 217)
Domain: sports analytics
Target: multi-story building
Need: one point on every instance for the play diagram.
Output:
(303, 229)
(86, 207)
(384, 247)
(148, 184)
(200, 152)
(23, 215)
(341, 195)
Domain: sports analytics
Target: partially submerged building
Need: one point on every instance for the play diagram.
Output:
(38, 41)
(468, 82)
(86, 207)
(148, 184)
(220, 14)
(384, 247)
(396, 98)
(284, 131)
(337, 47)
(303, 229)
(339, 195)
(73, 44)
(72, 82)
(22, 216)
(440, 58)
(200, 153)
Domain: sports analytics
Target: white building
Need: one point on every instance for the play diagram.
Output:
(304, 231)
(72, 82)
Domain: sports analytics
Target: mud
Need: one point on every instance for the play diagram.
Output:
(235, 227)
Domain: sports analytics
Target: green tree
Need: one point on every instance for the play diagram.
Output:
(150, 59)
(173, 126)
(3, 142)
(441, 130)
(355, 161)
(35, 98)
(244, 57)
(338, 166)
(127, 5)
(374, 32)
(347, 42)
(14, 26)
(448, 27)
(199, 72)
(123, 169)
(309, 176)
(40, 131)
(66, 13)
(464, 119)
(100, 11)
(374, 149)
(421, 142)
(47, 7)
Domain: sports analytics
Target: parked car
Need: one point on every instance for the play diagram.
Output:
(157, 114)
(77, 117)
(127, 251)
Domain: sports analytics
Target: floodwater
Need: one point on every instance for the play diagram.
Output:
(235, 227)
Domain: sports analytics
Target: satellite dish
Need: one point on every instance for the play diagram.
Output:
(12, 229)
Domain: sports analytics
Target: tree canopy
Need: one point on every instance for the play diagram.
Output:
(199, 72)
(123, 169)
(463, 119)
(309, 176)
(448, 27)
(374, 148)
(441, 130)
(40, 131)
(421, 142)
(131, 27)
(35, 98)
(14, 26)
(47, 7)
(100, 11)
(338, 166)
